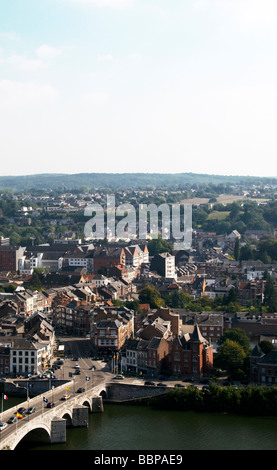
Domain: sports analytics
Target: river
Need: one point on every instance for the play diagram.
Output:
(128, 427)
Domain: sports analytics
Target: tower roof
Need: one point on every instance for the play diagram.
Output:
(196, 335)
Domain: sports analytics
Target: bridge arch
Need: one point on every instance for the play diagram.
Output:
(41, 433)
(103, 393)
(86, 402)
(68, 417)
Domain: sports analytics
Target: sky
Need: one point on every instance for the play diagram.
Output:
(123, 86)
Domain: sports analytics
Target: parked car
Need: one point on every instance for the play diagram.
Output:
(50, 404)
(160, 384)
(118, 377)
(80, 390)
(12, 419)
(65, 397)
(3, 426)
(31, 410)
(22, 411)
(148, 382)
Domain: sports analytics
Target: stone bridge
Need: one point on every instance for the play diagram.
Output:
(49, 424)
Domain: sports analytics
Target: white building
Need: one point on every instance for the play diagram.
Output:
(27, 357)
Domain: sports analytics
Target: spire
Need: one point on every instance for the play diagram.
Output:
(196, 335)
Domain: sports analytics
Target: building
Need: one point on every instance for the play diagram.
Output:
(82, 256)
(106, 258)
(191, 355)
(136, 255)
(164, 265)
(145, 356)
(263, 367)
(9, 257)
(4, 361)
(28, 357)
(112, 328)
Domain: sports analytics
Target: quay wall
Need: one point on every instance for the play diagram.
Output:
(120, 392)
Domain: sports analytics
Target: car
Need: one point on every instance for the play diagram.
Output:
(148, 382)
(3, 426)
(77, 372)
(50, 404)
(80, 390)
(65, 397)
(75, 358)
(160, 384)
(179, 386)
(12, 419)
(31, 410)
(21, 411)
(118, 377)
(77, 366)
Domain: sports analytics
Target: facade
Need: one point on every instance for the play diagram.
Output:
(4, 361)
(107, 258)
(136, 255)
(263, 367)
(164, 265)
(110, 334)
(28, 357)
(145, 356)
(191, 355)
(9, 258)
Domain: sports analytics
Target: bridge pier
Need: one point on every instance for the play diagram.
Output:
(58, 430)
(97, 405)
(80, 416)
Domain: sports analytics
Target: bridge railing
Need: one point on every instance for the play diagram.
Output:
(27, 403)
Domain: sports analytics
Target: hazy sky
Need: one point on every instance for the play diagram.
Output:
(138, 86)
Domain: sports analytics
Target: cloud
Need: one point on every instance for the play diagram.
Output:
(248, 14)
(12, 36)
(98, 98)
(14, 95)
(43, 53)
(48, 52)
(21, 62)
(105, 58)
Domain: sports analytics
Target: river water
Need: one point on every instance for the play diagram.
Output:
(128, 427)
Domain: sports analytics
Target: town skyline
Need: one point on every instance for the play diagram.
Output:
(136, 85)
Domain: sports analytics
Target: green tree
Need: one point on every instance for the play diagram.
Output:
(159, 245)
(270, 294)
(239, 336)
(150, 295)
(230, 357)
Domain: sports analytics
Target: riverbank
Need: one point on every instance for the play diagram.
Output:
(252, 400)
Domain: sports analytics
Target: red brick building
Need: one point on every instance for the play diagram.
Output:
(9, 256)
(191, 354)
(108, 257)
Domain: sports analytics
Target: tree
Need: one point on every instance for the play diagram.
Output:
(237, 335)
(231, 357)
(150, 295)
(270, 294)
(266, 346)
(159, 245)
(246, 252)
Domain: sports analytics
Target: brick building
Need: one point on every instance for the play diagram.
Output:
(191, 354)
(9, 257)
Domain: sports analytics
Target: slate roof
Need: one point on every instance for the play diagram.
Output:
(270, 358)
